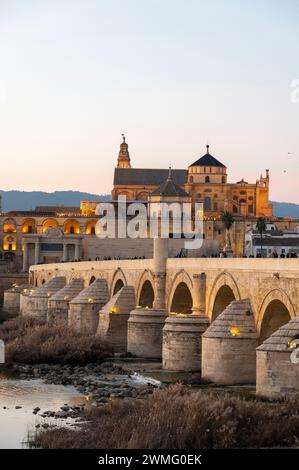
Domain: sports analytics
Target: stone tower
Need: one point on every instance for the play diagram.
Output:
(123, 160)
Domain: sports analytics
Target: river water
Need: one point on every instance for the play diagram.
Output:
(16, 423)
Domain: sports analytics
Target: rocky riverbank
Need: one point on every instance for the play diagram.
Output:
(99, 383)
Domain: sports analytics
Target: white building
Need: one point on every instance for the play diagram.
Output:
(273, 243)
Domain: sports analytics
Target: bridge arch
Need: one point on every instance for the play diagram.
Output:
(275, 311)
(224, 290)
(181, 293)
(146, 290)
(118, 281)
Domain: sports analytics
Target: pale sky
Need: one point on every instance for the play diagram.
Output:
(171, 74)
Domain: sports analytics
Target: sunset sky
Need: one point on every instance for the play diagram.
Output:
(172, 75)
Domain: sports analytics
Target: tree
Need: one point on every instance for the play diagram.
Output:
(261, 228)
(227, 220)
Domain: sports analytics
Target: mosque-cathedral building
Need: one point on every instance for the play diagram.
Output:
(205, 181)
(59, 233)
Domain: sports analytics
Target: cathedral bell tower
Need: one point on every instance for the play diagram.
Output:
(123, 160)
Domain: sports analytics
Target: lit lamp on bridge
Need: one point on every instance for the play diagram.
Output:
(234, 331)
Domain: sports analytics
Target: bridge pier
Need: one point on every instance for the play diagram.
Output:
(36, 303)
(83, 316)
(58, 304)
(145, 328)
(113, 319)
(277, 362)
(182, 342)
(199, 294)
(228, 346)
(12, 299)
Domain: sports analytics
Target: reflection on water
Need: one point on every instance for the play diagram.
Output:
(15, 423)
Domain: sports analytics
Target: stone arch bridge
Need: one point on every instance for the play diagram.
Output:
(195, 285)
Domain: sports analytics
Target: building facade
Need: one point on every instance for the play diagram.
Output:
(205, 181)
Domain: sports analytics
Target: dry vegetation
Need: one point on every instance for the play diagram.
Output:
(31, 342)
(176, 418)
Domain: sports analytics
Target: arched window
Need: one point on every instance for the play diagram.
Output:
(71, 226)
(28, 226)
(207, 179)
(9, 226)
(207, 204)
(49, 223)
(9, 243)
(90, 227)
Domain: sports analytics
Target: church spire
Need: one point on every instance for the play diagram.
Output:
(123, 160)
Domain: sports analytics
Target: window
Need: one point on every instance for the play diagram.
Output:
(215, 206)
(207, 204)
(223, 179)
(72, 230)
(190, 179)
(207, 179)
(250, 209)
(219, 232)
(235, 209)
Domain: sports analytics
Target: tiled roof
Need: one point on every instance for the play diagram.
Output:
(169, 188)
(207, 160)
(147, 176)
(282, 241)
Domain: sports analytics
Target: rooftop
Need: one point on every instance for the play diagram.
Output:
(208, 160)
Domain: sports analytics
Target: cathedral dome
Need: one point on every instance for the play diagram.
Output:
(208, 160)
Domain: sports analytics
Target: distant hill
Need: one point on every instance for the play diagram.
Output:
(27, 200)
(285, 209)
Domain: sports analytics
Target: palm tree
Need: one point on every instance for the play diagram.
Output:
(261, 226)
(227, 220)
